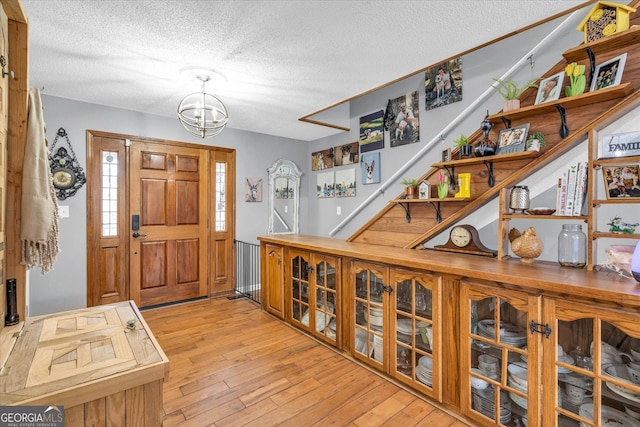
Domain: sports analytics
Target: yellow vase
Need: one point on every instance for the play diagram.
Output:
(464, 185)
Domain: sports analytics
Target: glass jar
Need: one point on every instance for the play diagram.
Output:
(572, 246)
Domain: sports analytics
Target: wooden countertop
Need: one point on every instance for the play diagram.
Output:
(549, 277)
(76, 356)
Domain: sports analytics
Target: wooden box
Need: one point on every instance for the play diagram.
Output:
(101, 363)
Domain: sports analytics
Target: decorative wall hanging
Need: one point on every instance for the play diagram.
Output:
(324, 185)
(67, 174)
(371, 168)
(443, 84)
(322, 160)
(371, 132)
(346, 183)
(346, 154)
(253, 190)
(619, 145)
(405, 129)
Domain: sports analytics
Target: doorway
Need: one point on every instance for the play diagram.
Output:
(160, 220)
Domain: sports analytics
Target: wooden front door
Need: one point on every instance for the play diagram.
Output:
(168, 194)
(150, 217)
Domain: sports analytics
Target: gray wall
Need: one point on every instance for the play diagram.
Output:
(64, 288)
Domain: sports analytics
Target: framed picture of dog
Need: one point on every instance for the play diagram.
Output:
(345, 154)
(405, 128)
(621, 181)
(321, 160)
(372, 131)
(370, 168)
(609, 73)
(512, 140)
(443, 84)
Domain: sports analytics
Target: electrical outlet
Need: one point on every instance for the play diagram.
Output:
(339, 210)
(63, 211)
(286, 208)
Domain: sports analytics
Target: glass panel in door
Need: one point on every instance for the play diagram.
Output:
(325, 319)
(300, 290)
(369, 315)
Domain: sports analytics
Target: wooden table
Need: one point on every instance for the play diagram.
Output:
(102, 364)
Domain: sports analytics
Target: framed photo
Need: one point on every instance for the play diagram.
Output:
(324, 185)
(321, 160)
(372, 132)
(512, 140)
(443, 84)
(345, 154)
(549, 88)
(405, 129)
(608, 73)
(446, 155)
(345, 185)
(253, 190)
(621, 181)
(371, 168)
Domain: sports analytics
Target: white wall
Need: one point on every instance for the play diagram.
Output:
(64, 288)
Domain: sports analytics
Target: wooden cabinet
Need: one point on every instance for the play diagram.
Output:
(314, 286)
(515, 344)
(272, 288)
(394, 326)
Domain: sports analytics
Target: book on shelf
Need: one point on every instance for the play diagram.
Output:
(581, 190)
(572, 190)
(562, 194)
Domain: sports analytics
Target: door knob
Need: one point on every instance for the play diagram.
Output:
(136, 234)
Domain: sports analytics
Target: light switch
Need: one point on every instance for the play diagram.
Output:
(286, 208)
(339, 210)
(63, 211)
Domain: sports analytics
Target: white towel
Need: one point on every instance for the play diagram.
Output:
(39, 214)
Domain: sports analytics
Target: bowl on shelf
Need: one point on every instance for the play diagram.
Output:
(540, 211)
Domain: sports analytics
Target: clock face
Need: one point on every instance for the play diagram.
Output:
(460, 236)
(63, 178)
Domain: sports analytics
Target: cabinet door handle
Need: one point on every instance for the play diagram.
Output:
(388, 289)
(540, 328)
(309, 268)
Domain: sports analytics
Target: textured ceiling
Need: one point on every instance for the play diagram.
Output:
(282, 59)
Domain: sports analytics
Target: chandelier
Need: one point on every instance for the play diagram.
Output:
(201, 113)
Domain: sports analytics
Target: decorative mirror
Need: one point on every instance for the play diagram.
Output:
(284, 197)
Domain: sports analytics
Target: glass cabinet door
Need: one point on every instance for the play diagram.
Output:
(326, 299)
(369, 308)
(415, 355)
(300, 289)
(499, 386)
(596, 355)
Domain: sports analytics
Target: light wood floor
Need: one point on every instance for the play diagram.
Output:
(234, 365)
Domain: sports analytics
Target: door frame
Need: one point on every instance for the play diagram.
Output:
(221, 258)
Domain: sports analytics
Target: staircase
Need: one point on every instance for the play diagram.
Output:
(412, 223)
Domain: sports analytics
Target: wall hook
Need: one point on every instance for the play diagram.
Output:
(531, 61)
(3, 62)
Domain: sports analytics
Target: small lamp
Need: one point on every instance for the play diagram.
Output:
(635, 263)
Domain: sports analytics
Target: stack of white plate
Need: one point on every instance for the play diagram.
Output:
(609, 416)
(403, 325)
(375, 316)
(509, 334)
(483, 403)
(361, 341)
(424, 370)
(377, 348)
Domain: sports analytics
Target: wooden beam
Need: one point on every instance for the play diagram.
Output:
(18, 62)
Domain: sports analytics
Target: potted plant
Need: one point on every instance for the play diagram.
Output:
(511, 91)
(535, 141)
(464, 148)
(410, 188)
